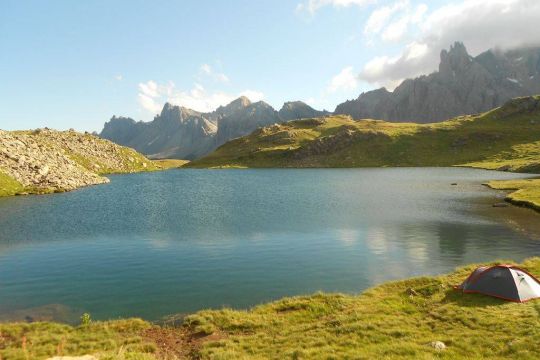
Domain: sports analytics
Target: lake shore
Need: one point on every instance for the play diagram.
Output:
(421, 317)
(44, 161)
(524, 192)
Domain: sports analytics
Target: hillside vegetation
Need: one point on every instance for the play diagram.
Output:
(44, 161)
(506, 138)
(402, 319)
(524, 192)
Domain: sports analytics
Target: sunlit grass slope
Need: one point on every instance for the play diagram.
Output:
(9, 186)
(119, 339)
(504, 138)
(394, 320)
(523, 192)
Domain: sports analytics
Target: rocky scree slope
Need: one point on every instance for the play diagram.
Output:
(463, 85)
(44, 161)
(181, 133)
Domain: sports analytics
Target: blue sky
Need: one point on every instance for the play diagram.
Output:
(74, 64)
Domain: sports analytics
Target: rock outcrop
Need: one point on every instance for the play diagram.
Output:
(175, 133)
(294, 110)
(182, 133)
(44, 161)
(245, 120)
(463, 85)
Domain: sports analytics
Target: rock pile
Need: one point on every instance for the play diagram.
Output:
(53, 161)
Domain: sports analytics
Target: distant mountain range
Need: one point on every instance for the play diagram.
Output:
(183, 133)
(463, 85)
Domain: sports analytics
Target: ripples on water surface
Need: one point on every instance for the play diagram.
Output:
(153, 244)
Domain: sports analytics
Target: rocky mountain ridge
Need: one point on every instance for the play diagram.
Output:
(44, 161)
(462, 85)
(178, 132)
(505, 139)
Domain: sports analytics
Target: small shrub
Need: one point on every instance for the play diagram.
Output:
(86, 319)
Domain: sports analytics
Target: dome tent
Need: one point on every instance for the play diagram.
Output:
(507, 282)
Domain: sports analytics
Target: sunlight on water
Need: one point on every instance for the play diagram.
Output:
(154, 244)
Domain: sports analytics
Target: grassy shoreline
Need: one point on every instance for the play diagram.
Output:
(398, 319)
(524, 192)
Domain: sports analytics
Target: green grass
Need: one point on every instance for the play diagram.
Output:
(518, 158)
(165, 164)
(119, 339)
(506, 138)
(9, 186)
(523, 192)
(394, 320)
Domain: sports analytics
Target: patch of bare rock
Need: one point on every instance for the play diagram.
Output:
(46, 160)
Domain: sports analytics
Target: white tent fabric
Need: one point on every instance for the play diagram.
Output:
(527, 287)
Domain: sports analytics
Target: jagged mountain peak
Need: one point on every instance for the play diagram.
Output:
(262, 104)
(454, 60)
(239, 103)
(236, 105)
(178, 110)
(463, 85)
(293, 104)
(296, 106)
(292, 110)
(244, 100)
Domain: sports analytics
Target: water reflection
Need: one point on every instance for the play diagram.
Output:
(153, 244)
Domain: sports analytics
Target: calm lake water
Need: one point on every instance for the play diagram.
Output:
(169, 242)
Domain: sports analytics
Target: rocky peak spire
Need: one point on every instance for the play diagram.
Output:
(454, 60)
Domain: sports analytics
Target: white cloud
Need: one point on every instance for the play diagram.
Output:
(252, 95)
(380, 16)
(207, 70)
(152, 96)
(345, 80)
(479, 24)
(150, 89)
(118, 77)
(310, 101)
(396, 29)
(222, 77)
(419, 13)
(312, 6)
(149, 103)
(391, 22)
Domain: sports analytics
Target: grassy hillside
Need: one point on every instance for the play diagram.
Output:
(504, 138)
(399, 319)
